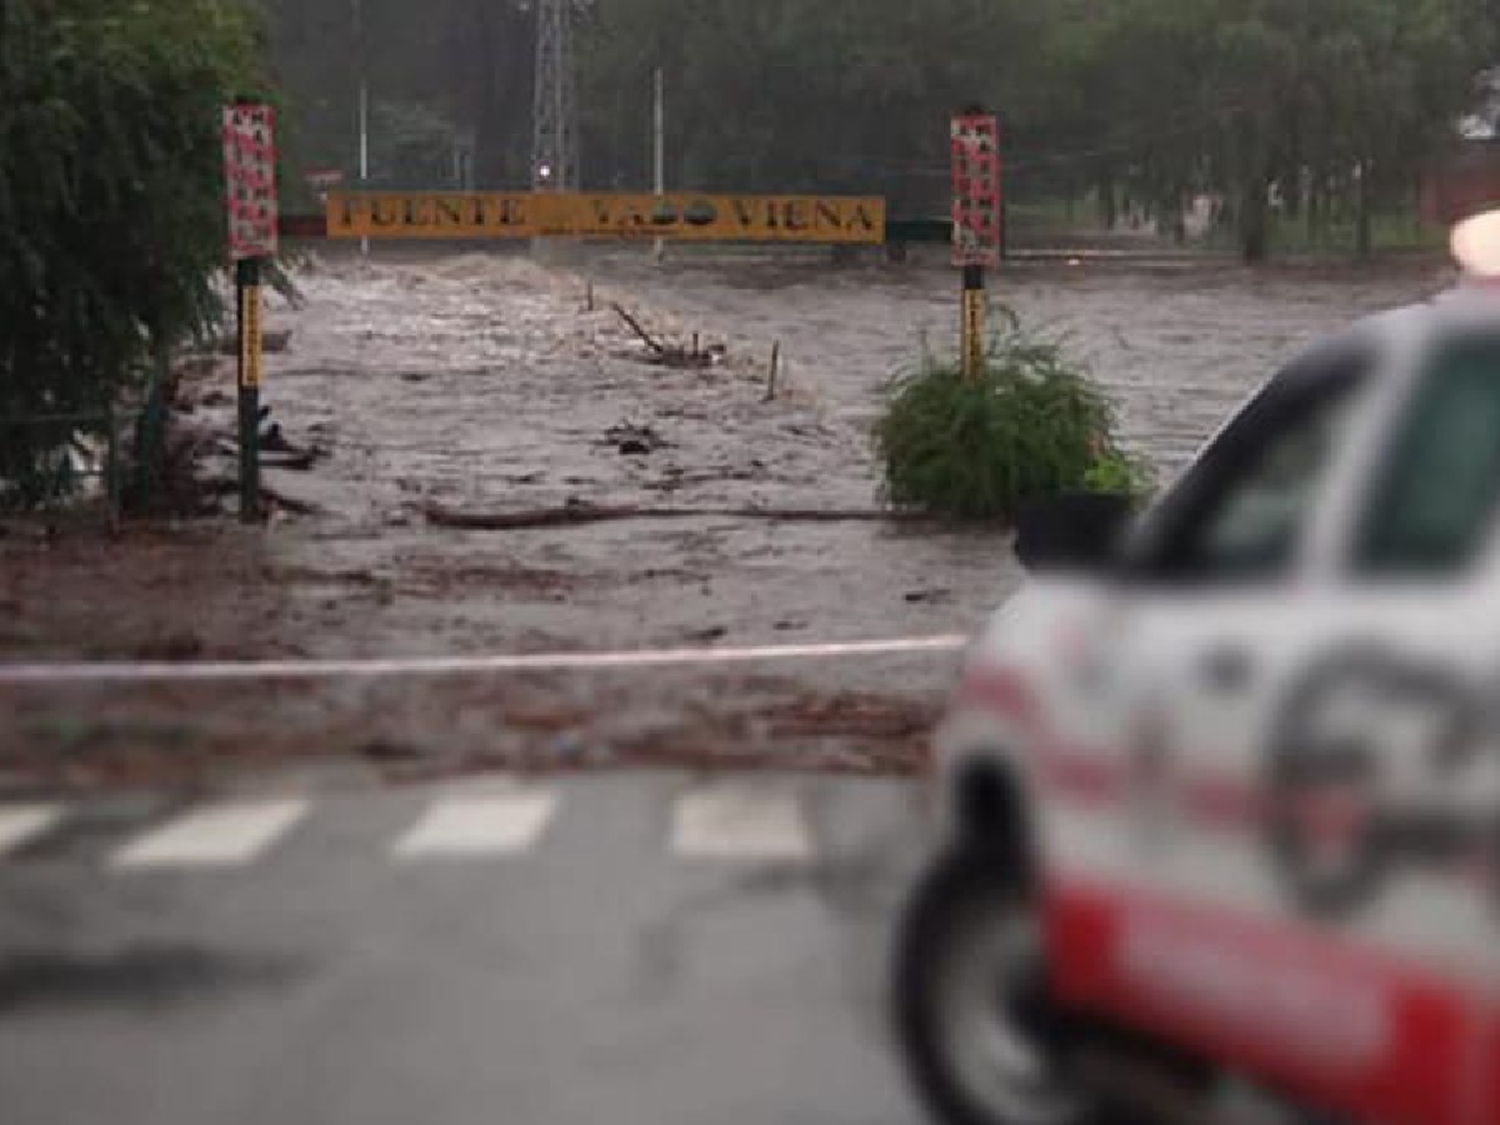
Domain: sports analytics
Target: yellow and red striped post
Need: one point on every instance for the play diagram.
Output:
(976, 222)
(250, 176)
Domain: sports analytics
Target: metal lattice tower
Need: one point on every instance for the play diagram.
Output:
(554, 150)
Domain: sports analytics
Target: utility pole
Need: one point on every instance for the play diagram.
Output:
(362, 113)
(659, 150)
(554, 150)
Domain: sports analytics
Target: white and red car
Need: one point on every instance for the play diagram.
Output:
(1221, 785)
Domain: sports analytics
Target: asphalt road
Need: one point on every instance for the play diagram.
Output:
(634, 949)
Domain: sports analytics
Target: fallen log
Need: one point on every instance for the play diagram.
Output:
(670, 355)
(290, 503)
(220, 486)
(635, 326)
(273, 342)
(574, 515)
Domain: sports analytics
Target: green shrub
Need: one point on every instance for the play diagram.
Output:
(1119, 472)
(112, 228)
(1028, 425)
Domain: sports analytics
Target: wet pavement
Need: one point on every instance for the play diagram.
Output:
(651, 951)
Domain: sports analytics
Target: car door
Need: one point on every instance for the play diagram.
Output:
(1320, 789)
(1410, 623)
(1221, 608)
(1217, 609)
(1418, 616)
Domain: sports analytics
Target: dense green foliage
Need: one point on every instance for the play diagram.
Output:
(111, 189)
(1329, 109)
(976, 448)
(1334, 105)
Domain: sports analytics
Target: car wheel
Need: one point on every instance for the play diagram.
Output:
(982, 1041)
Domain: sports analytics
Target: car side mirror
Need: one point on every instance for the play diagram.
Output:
(1074, 532)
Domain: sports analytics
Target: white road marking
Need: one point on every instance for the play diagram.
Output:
(22, 823)
(187, 672)
(471, 827)
(216, 837)
(740, 821)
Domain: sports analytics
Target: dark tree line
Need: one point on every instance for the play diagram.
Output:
(1331, 108)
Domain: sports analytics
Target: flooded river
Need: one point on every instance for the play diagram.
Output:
(1177, 346)
(484, 382)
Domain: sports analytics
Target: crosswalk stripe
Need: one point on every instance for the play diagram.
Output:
(21, 823)
(496, 824)
(740, 822)
(215, 837)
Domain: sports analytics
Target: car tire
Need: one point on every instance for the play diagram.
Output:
(971, 1066)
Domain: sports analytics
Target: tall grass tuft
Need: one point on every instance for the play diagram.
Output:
(1028, 425)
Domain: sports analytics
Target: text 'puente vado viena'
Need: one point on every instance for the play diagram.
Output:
(680, 217)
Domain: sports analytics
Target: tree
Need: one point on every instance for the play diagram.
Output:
(111, 199)
(1333, 105)
(1329, 108)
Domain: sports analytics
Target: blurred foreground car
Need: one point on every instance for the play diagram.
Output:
(1221, 785)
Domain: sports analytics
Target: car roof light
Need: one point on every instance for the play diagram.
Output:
(1475, 244)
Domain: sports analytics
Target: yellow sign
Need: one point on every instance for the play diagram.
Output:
(251, 344)
(438, 214)
(973, 332)
(679, 217)
(716, 218)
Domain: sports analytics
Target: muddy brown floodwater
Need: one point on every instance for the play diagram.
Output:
(481, 381)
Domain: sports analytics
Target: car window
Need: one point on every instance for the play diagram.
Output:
(1258, 523)
(1434, 499)
(1239, 514)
